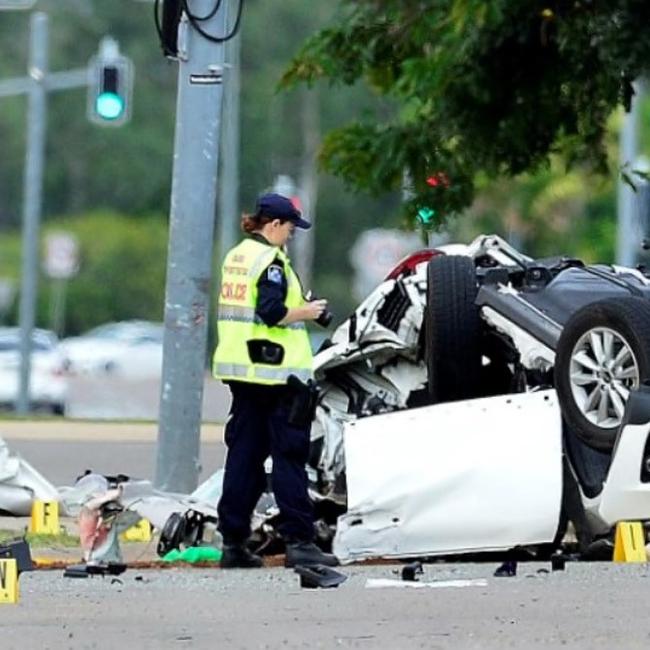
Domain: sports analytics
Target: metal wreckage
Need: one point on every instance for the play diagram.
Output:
(477, 400)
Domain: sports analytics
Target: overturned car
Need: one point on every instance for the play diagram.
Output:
(512, 387)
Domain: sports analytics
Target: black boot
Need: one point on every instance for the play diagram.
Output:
(237, 556)
(307, 554)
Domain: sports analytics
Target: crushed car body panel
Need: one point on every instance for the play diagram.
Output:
(476, 475)
(20, 484)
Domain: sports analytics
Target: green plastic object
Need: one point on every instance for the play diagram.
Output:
(194, 555)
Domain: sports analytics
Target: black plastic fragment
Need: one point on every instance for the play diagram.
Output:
(411, 571)
(558, 562)
(507, 570)
(17, 549)
(85, 570)
(319, 576)
(75, 571)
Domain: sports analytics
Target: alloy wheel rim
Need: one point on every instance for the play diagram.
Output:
(602, 372)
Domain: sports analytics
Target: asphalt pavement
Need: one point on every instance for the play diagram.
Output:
(586, 606)
(62, 450)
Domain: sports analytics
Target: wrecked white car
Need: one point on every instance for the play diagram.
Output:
(558, 350)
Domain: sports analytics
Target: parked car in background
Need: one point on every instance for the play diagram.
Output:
(48, 384)
(130, 348)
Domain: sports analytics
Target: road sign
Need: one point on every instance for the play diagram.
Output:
(16, 4)
(61, 256)
(375, 253)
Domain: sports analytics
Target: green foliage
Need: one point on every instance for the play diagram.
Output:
(38, 540)
(476, 88)
(121, 274)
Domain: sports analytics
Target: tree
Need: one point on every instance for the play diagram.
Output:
(474, 89)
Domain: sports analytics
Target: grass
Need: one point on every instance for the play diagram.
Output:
(38, 540)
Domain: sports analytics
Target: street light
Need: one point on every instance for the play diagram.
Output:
(110, 87)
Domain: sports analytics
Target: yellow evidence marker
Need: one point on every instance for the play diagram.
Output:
(629, 543)
(140, 532)
(8, 581)
(45, 518)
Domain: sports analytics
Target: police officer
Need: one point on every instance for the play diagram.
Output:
(262, 341)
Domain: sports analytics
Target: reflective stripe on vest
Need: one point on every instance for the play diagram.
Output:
(248, 315)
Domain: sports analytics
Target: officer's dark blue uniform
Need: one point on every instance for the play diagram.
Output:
(259, 417)
(259, 424)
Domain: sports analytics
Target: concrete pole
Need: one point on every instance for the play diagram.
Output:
(305, 241)
(228, 214)
(627, 244)
(32, 198)
(189, 262)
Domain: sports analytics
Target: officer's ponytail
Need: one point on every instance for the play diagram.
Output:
(251, 223)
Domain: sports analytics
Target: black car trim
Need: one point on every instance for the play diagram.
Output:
(521, 313)
(610, 277)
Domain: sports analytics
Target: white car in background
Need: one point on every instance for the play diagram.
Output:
(130, 349)
(48, 383)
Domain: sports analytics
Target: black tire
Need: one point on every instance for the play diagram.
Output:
(628, 318)
(452, 330)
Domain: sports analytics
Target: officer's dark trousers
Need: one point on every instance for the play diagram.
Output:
(258, 427)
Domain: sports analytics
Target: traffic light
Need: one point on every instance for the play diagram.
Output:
(110, 87)
(438, 181)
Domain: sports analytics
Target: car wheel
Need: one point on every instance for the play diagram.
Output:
(603, 354)
(452, 329)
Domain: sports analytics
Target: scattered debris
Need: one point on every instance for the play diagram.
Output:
(507, 570)
(319, 576)
(17, 549)
(21, 484)
(194, 555)
(411, 571)
(86, 570)
(558, 562)
(381, 583)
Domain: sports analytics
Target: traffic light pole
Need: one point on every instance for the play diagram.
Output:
(229, 180)
(189, 260)
(32, 199)
(35, 86)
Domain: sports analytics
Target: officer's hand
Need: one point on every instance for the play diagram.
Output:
(314, 309)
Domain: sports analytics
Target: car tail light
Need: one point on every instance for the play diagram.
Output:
(407, 265)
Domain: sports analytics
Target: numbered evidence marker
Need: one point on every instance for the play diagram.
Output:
(629, 542)
(45, 518)
(8, 581)
(140, 532)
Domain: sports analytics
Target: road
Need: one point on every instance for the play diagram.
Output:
(62, 450)
(585, 607)
(118, 397)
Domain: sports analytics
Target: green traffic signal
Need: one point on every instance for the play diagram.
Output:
(110, 87)
(109, 106)
(426, 215)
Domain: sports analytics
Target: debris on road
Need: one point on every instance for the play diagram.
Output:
(381, 583)
(507, 570)
(17, 549)
(21, 484)
(319, 576)
(411, 571)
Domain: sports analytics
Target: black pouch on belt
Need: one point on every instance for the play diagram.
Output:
(303, 401)
(263, 351)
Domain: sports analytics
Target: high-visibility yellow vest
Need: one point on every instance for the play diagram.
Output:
(238, 324)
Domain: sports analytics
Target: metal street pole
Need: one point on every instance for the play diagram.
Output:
(627, 245)
(229, 181)
(32, 199)
(189, 262)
